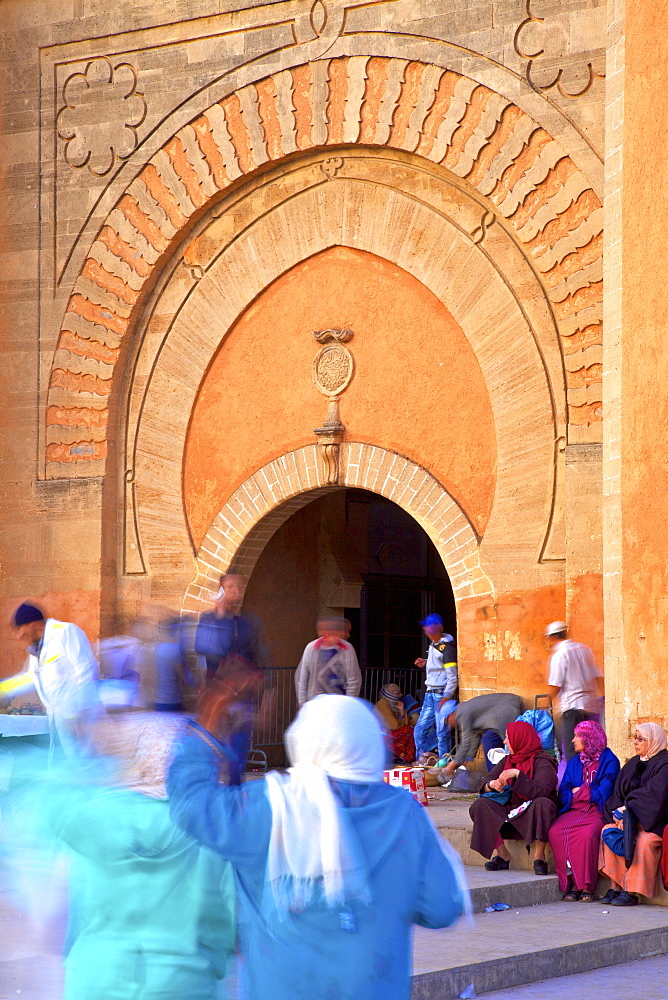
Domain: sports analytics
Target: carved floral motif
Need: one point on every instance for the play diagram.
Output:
(544, 43)
(102, 113)
(333, 369)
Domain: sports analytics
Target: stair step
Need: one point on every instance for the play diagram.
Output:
(516, 888)
(513, 947)
(453, 822)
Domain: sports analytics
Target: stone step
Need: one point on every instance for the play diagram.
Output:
(516, 888)
(514, 947)
(451, 818)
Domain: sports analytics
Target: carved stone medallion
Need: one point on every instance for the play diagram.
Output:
(333, 369)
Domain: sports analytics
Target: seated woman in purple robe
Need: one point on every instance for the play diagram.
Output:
(587, 784)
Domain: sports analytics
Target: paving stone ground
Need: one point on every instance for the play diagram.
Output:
(30, 970)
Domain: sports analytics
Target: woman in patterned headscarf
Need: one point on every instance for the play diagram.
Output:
(586, 786)
(641, 789)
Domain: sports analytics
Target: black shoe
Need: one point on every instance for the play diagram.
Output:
(540, 868)
(497, 864)
(610, 895)
(625, 899)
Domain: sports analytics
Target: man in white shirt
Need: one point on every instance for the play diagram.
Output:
(62, 668)
(575, 679)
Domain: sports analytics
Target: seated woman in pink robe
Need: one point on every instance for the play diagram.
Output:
(586, 786)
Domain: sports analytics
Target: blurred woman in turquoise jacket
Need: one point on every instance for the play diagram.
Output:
(152, 914)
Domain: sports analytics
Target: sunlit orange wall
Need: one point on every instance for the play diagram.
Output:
(501, 645)
(79, 606)
(644, 362)
(417, 389)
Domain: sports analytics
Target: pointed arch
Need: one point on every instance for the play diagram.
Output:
(450, 119)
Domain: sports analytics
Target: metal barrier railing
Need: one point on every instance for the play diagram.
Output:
(409, 679)
(281, 706)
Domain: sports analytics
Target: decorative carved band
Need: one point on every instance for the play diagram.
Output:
(439, 114)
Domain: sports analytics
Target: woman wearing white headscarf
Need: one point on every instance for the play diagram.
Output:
(641, 789)
(316, 854)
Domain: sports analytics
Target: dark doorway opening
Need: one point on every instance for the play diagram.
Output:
(357, 554)
(404, 580)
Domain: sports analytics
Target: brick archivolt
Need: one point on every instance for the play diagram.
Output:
(424, 242)
(265, 501)
(449, 119)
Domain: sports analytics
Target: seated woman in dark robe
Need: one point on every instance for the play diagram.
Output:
(586, 786)
(524, 806)
(642, 789)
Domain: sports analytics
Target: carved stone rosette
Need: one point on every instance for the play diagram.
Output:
(333, 368)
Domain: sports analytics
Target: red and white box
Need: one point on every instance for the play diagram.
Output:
(410, 778)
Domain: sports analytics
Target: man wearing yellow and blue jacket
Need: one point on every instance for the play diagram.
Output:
(442, 682)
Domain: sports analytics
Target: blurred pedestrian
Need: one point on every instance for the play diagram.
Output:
(316, 854)
(224, 635)
(171, 668)
(399, 731)
(232, 642)
(61, 667)
(441, 683)
(122, 660)
(575, 680)
(151, 914)
(329, 663)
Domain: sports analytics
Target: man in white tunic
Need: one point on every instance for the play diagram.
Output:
(61, 667)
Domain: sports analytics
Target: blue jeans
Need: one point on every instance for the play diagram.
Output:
(490, 738)
(430, 716)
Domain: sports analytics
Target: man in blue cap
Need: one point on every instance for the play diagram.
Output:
(442, 681)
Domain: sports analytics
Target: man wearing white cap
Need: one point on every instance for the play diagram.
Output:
(575, 679)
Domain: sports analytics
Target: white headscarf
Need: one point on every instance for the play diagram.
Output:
(655, 736)
(313, 853)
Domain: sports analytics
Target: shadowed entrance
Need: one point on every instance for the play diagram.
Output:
(358, 554)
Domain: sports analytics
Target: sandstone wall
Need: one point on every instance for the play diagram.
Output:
(635, 370)
(176, 172)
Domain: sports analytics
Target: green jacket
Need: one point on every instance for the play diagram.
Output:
(152, 914)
